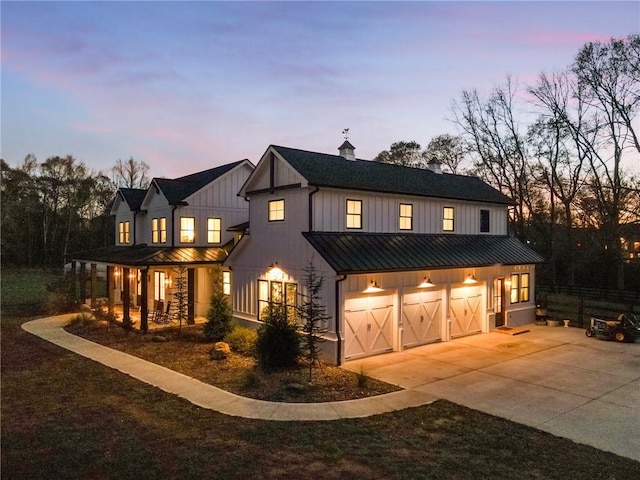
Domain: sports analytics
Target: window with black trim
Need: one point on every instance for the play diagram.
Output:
(159, 230)
(226, 283)
(187, 229)
(123, 232)
(447, 219)
(524, 287)
(484, 221)
(515, 288)
(354, 214)
(280, 293)
(405, 222)
(276, 210)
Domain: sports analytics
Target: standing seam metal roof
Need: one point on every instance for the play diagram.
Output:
(380, 252)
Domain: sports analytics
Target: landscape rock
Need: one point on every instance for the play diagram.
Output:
(220, 351)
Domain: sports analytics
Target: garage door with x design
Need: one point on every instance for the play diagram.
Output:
(368, 326)
(421, 318)
(466, 311)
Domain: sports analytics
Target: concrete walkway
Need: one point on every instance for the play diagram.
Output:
(210, 397)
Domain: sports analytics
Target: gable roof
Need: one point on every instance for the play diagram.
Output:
(133, 197)
(178, 189)
(380, 252)
(324, 170)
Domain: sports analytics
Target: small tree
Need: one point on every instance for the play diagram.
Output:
(219, 318)
(180, 294)
(278, 343)
(314, 317)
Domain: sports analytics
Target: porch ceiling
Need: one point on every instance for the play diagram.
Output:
(371, 252)
(143, 255)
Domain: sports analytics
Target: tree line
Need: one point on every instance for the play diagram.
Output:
(59, 206)
(566, 149)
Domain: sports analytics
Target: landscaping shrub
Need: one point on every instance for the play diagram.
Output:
(62, 296)
(83, 320)
(242, 339)
(278, 342)
(219, 318)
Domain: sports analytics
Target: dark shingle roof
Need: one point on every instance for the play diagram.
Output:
(326, 170)
(133, 197)
(380, 252)
(144, 255)
(177, 189)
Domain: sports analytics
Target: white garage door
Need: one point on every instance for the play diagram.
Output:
(421, 318)
(466, 311)
(368, 326)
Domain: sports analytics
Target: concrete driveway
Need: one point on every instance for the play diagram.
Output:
(552, 378)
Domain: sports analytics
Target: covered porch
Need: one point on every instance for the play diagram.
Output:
(149, 288)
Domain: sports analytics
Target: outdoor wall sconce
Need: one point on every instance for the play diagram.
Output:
(470, 280)
(167, 282)
(372, 288)
(275, 272)
(426, 283)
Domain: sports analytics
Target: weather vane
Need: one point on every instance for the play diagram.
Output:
(345, 132)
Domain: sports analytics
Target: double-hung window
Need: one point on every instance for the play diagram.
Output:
(354, 214)
(520, 288)
(187, 229)
(447, 219)
(123, 232)
(159, 230)
(214, 230)
(278, 294)
(405, 221)
(276, 210)
(226, 283)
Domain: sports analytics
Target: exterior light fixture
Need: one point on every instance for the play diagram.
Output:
(372, 288)
(167, 282)
(426, 283)
(470, 280)
(275, 272)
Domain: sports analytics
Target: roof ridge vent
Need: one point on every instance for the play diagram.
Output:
(347, 150)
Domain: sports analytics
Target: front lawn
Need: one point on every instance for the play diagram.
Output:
(64, 416)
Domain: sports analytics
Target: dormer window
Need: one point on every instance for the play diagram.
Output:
(447, 219)
(214, 231)
(187, 229)
(354, 214)
(276, 210)
(123, 232)
(405, 221)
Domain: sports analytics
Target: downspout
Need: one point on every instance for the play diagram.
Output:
(311, 194)
(173, 225)
(339, 349)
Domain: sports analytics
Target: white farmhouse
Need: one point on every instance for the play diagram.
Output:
(409, 256)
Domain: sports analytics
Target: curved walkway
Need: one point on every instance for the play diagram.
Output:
(213, 398)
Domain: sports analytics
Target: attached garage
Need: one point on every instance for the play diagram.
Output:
(421, 318)
(466, 311)
(369, 325)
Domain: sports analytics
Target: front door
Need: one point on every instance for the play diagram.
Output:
(498, 301)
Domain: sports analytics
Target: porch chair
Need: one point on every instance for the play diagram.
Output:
(158, 307)
(165, 317)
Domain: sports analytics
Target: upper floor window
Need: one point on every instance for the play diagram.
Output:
(276, 210)
(214, 231)
(406, 216)
(187, 229)
(159, 230)
(354, 213)
(447, 219)
(484, 221)
(123, 232)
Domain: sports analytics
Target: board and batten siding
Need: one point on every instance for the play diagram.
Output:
(380, 213)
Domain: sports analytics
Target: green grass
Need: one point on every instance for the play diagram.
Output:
(64, 416)
(24, 289)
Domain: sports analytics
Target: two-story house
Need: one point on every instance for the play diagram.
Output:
(408, 256)
(183, 222)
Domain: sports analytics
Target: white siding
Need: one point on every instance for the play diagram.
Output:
(380, 213)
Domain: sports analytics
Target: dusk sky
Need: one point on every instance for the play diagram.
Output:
(186, 86)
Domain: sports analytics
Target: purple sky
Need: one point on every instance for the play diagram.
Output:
(188, 86)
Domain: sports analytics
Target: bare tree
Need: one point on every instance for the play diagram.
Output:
(407, 154)
(130, 174)
(449, 149)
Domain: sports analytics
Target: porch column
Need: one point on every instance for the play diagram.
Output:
(110, 287)
(126, 301)
(94, 284)
(191, 296)
(83, 283)
(144, 303)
